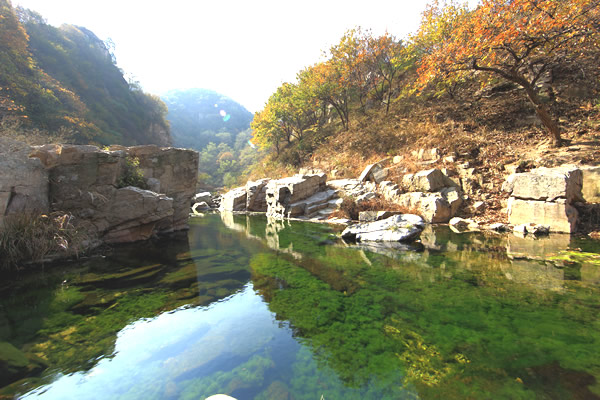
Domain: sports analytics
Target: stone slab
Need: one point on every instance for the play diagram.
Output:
(559, 216)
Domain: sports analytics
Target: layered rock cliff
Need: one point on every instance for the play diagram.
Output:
(88, 182)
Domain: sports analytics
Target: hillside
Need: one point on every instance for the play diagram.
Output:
(66, 79)
(216, 126)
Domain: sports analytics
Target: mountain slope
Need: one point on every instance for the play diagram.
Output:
(66, 79)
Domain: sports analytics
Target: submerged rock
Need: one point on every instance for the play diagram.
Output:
(15, 365)
(397, 228)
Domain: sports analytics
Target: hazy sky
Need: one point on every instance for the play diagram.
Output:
(242, 49)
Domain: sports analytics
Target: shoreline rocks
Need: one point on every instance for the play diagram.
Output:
(545, 196)
(397, 228)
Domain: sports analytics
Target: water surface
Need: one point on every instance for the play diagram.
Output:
(263, 309)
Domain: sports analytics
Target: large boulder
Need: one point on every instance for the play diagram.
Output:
(430, 180)
(234, 200)
(559, 216)
(176, 170)
(437, 207)
(397, 228)
(373, 172)
(256, 199)
(205, 197)
(136, 214)
(547, 184)
(281, 194)
(23, 180)
(86, 181)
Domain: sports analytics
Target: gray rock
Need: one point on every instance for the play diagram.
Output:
(549, 184)
(365, 197)
(24, 185)
(370, 171)
(430, 180)
(84, 181)
(436, 207)
(234, 200)
(201, 206)
(380, 175)
(284, 195)
(397, 228)
(257, 195)
(559, 216)
(202, 197)
(153, 184)
(136, 214)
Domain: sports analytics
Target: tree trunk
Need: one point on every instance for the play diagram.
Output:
(547, 120)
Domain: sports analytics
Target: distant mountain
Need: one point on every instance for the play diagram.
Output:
(216, 126)
(200, 116)
(66, 79)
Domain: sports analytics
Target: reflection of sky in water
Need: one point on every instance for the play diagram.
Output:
(153, 354)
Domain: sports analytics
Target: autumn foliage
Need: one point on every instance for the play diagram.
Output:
(458, 52)
(520, 41)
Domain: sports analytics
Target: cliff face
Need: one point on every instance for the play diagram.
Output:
(88, 183)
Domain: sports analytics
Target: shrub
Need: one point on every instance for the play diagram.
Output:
(132, 174)
(33, 238)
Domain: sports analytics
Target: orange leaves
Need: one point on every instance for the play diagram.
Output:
(502, 35)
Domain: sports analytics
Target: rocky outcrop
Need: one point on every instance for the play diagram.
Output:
(234, 200)
(545, 196)
(88, 183)
(285, 196)
(177, 172)
(547, 184)
(374, 173)
(397, 228)
(23, 180)
(431, 194)
(256, 199)
(299, 196)
(431, 180)
(559, 216)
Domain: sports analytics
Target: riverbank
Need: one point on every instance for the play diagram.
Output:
(111, 195)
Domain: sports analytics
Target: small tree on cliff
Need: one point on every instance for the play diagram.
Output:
(517, 40)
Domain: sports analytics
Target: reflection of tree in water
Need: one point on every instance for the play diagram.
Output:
(448, 318)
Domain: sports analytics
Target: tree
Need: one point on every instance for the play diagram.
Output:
(517, 40)
(391, 61)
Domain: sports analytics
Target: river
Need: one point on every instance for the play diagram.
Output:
(263, 309)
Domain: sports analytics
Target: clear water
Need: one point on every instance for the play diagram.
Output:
(263, 309)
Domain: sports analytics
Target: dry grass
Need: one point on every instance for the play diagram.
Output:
(33, 238)
(14, 129)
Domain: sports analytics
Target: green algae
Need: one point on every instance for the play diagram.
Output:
(454, 328)
(469, 316)
(580, 257)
